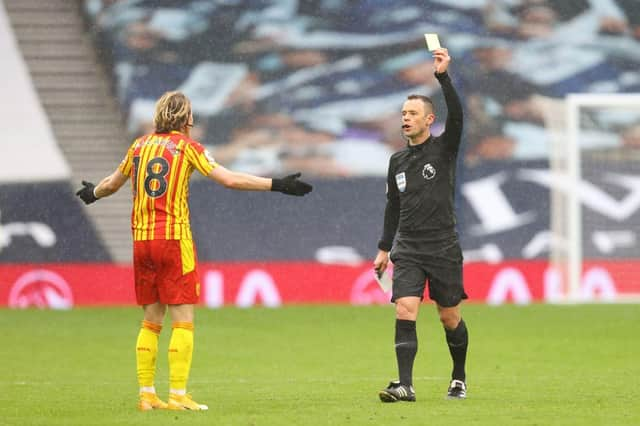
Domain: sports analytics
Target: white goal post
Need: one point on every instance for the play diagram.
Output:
(566, 161)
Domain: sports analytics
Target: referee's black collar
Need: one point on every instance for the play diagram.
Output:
(420, 146)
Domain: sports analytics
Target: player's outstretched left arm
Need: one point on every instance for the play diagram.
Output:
(90, 193)
(290, 185)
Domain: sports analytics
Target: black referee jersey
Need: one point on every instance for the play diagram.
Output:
(421, 182)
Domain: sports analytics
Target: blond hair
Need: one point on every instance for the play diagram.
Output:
(172, 112)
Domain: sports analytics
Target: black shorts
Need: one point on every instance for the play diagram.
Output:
(415, 264)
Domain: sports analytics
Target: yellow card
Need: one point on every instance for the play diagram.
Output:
(433, 42)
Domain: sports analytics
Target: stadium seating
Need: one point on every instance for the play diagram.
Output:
(40, 219)
(316, 87)
(335, 76)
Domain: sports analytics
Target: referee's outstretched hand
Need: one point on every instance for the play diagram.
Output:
(86, 192)
(290, 185)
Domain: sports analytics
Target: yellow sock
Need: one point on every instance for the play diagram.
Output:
(180, 353)
(146, 353)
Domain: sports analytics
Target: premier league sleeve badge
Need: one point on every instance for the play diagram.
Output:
(401, 181)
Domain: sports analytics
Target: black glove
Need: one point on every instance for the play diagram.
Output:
(290, 185)
(86, 193)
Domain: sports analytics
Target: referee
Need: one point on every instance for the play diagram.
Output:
(420, 216)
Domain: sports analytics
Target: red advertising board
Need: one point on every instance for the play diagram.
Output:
(273, 284)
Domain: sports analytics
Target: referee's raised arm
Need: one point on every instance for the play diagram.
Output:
(453, 126)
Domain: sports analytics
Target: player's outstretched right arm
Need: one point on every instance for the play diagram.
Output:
(90, 193)
(290, 185)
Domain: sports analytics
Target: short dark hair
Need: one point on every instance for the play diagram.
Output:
(425, 99)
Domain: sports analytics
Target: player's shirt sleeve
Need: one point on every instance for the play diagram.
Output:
(200, 158)
(391, 211)
(127, 162)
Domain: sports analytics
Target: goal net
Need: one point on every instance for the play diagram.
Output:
(595, 197)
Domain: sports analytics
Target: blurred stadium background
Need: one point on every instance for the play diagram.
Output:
(316, 86)
(548, 206)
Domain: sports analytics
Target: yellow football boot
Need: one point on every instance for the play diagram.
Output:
(150, 401)
(184, 402)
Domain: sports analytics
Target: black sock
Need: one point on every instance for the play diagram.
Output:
(406, 349)
(458, 340)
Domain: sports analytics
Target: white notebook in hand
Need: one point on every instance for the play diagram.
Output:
(384, 280)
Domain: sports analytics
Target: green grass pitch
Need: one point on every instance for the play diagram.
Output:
(311, 365)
